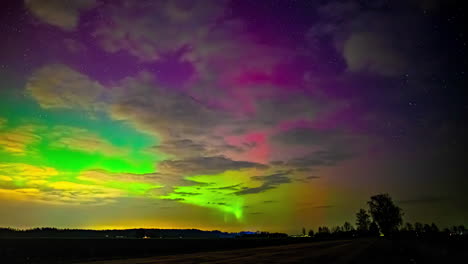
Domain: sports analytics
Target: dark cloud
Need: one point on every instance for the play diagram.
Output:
(371, 39)
(217, 203)
(161, 26)
(303, 136)
(268, 182)
(313, 160)
(205, 166)
(181, 148)
(63, 14)
(186, 193)
(103, 176)
(308, 178)
(231, 187)
(319, 158)
(164, 112)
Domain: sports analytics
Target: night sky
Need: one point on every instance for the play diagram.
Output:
(230, 115)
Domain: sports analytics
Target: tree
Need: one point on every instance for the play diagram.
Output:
(385, 213)
(427, 228)
(362, 221)
(311, 233)
(373, 229)
(303, 231)
(409, 227)
(418, 227)
(323, 230)
(336, 230)
(347, 227)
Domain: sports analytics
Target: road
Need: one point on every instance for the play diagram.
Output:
(317, 252)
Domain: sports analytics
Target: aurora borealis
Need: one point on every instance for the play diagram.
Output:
(230, 115)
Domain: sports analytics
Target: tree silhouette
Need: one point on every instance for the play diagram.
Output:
(324, 230)
(373, 229)
(336, 229)
(418, 227)
(362, 221)
(385, 213)
(409, 227)
(311, 233)
(427, 228)
(347, 227)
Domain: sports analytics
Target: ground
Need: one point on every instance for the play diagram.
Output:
(287, 250)
(347, 251)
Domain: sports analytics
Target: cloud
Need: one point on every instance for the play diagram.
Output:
(17, 140)
(22, 172)
(182, 148)
(268, 182)
(32, 183)
(205, 166)
(63, 14)
(82, 140)
(304, 136)
(187, 194)
(37, 183)
(374, 52)
(147, 29)
(166, 112)
(318, 158)
(101, 176)
(65, 192)
(58, 86)
(217, 47)
(371, 38)
(156, 184)
(234, 187)
(185, 148)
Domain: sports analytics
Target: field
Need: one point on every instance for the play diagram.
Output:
(152, 251)
(350, 251)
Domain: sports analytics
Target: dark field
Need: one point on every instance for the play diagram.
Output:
(69, 250)
(345, 251)
(126, 251)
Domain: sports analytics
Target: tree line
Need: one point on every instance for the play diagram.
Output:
(383, 218)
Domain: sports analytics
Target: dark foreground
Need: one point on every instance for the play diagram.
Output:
(128, 251)
(350, 251)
